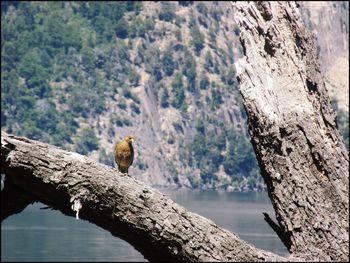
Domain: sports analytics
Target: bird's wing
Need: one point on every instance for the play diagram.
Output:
(119, 153)
(116, 153)
(131, 154)
(132, 158)
(124, 154)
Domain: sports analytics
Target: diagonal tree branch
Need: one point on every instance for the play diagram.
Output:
(156, 226)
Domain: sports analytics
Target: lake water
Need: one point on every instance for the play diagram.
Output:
(45, 235)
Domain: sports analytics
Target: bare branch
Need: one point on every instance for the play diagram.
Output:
(156, 226)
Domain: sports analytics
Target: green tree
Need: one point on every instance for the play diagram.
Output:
(343, 126)
(342, 121)
(168, 62)
(8, 56)
(86, 142)
(178, 35)
(197, 39)
(199, 125)
(35, 74)
(166, 12)
(198, 147)
(208, 61)
(212, 37)
(106, 158)
(202, 8)
(229, 161)
(149, 23)
(204, 83)
(88, 59)
(240, 159)
(185, 3)
(121, 28)
(130, 95)
(179, 91)
(138, 27)
(190, 70)
(231, 76)
(104, 28)
(135, 108)
(216, 99)
(164, 99)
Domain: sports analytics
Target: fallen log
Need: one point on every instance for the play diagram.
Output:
(150, 221)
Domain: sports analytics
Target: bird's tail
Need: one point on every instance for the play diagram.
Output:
(123, 170)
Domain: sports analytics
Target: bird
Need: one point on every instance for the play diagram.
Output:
(124, 154)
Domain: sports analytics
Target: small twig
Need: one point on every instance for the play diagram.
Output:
(47, 207)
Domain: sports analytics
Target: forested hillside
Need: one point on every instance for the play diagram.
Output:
(82, 75)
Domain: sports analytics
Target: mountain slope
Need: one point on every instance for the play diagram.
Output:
(83, 75)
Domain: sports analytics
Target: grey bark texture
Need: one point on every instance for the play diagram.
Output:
(156, 226)
(302, 158)
(301, 154)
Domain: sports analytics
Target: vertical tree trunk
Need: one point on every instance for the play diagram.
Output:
(301, 154)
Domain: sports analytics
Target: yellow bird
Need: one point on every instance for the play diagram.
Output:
(124, 154)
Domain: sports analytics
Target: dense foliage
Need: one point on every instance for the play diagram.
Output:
(58, 51)
(64, 63)
(342, 122)
(210, 149)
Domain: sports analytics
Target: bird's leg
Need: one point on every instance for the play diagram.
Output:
(123, 174)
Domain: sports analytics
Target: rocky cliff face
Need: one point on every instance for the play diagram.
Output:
(202, 41)
(83, 75)
(169, 130)
(162, 71)
(329, 21)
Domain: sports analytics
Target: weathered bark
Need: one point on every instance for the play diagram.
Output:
(303, 161)
(301, 154)
(156, 226)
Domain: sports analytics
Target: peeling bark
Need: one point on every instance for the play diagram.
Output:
(300, 152)
(151, 222)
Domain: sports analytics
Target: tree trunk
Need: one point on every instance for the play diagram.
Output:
(156, 226)
(301, 154)
(302, 158)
